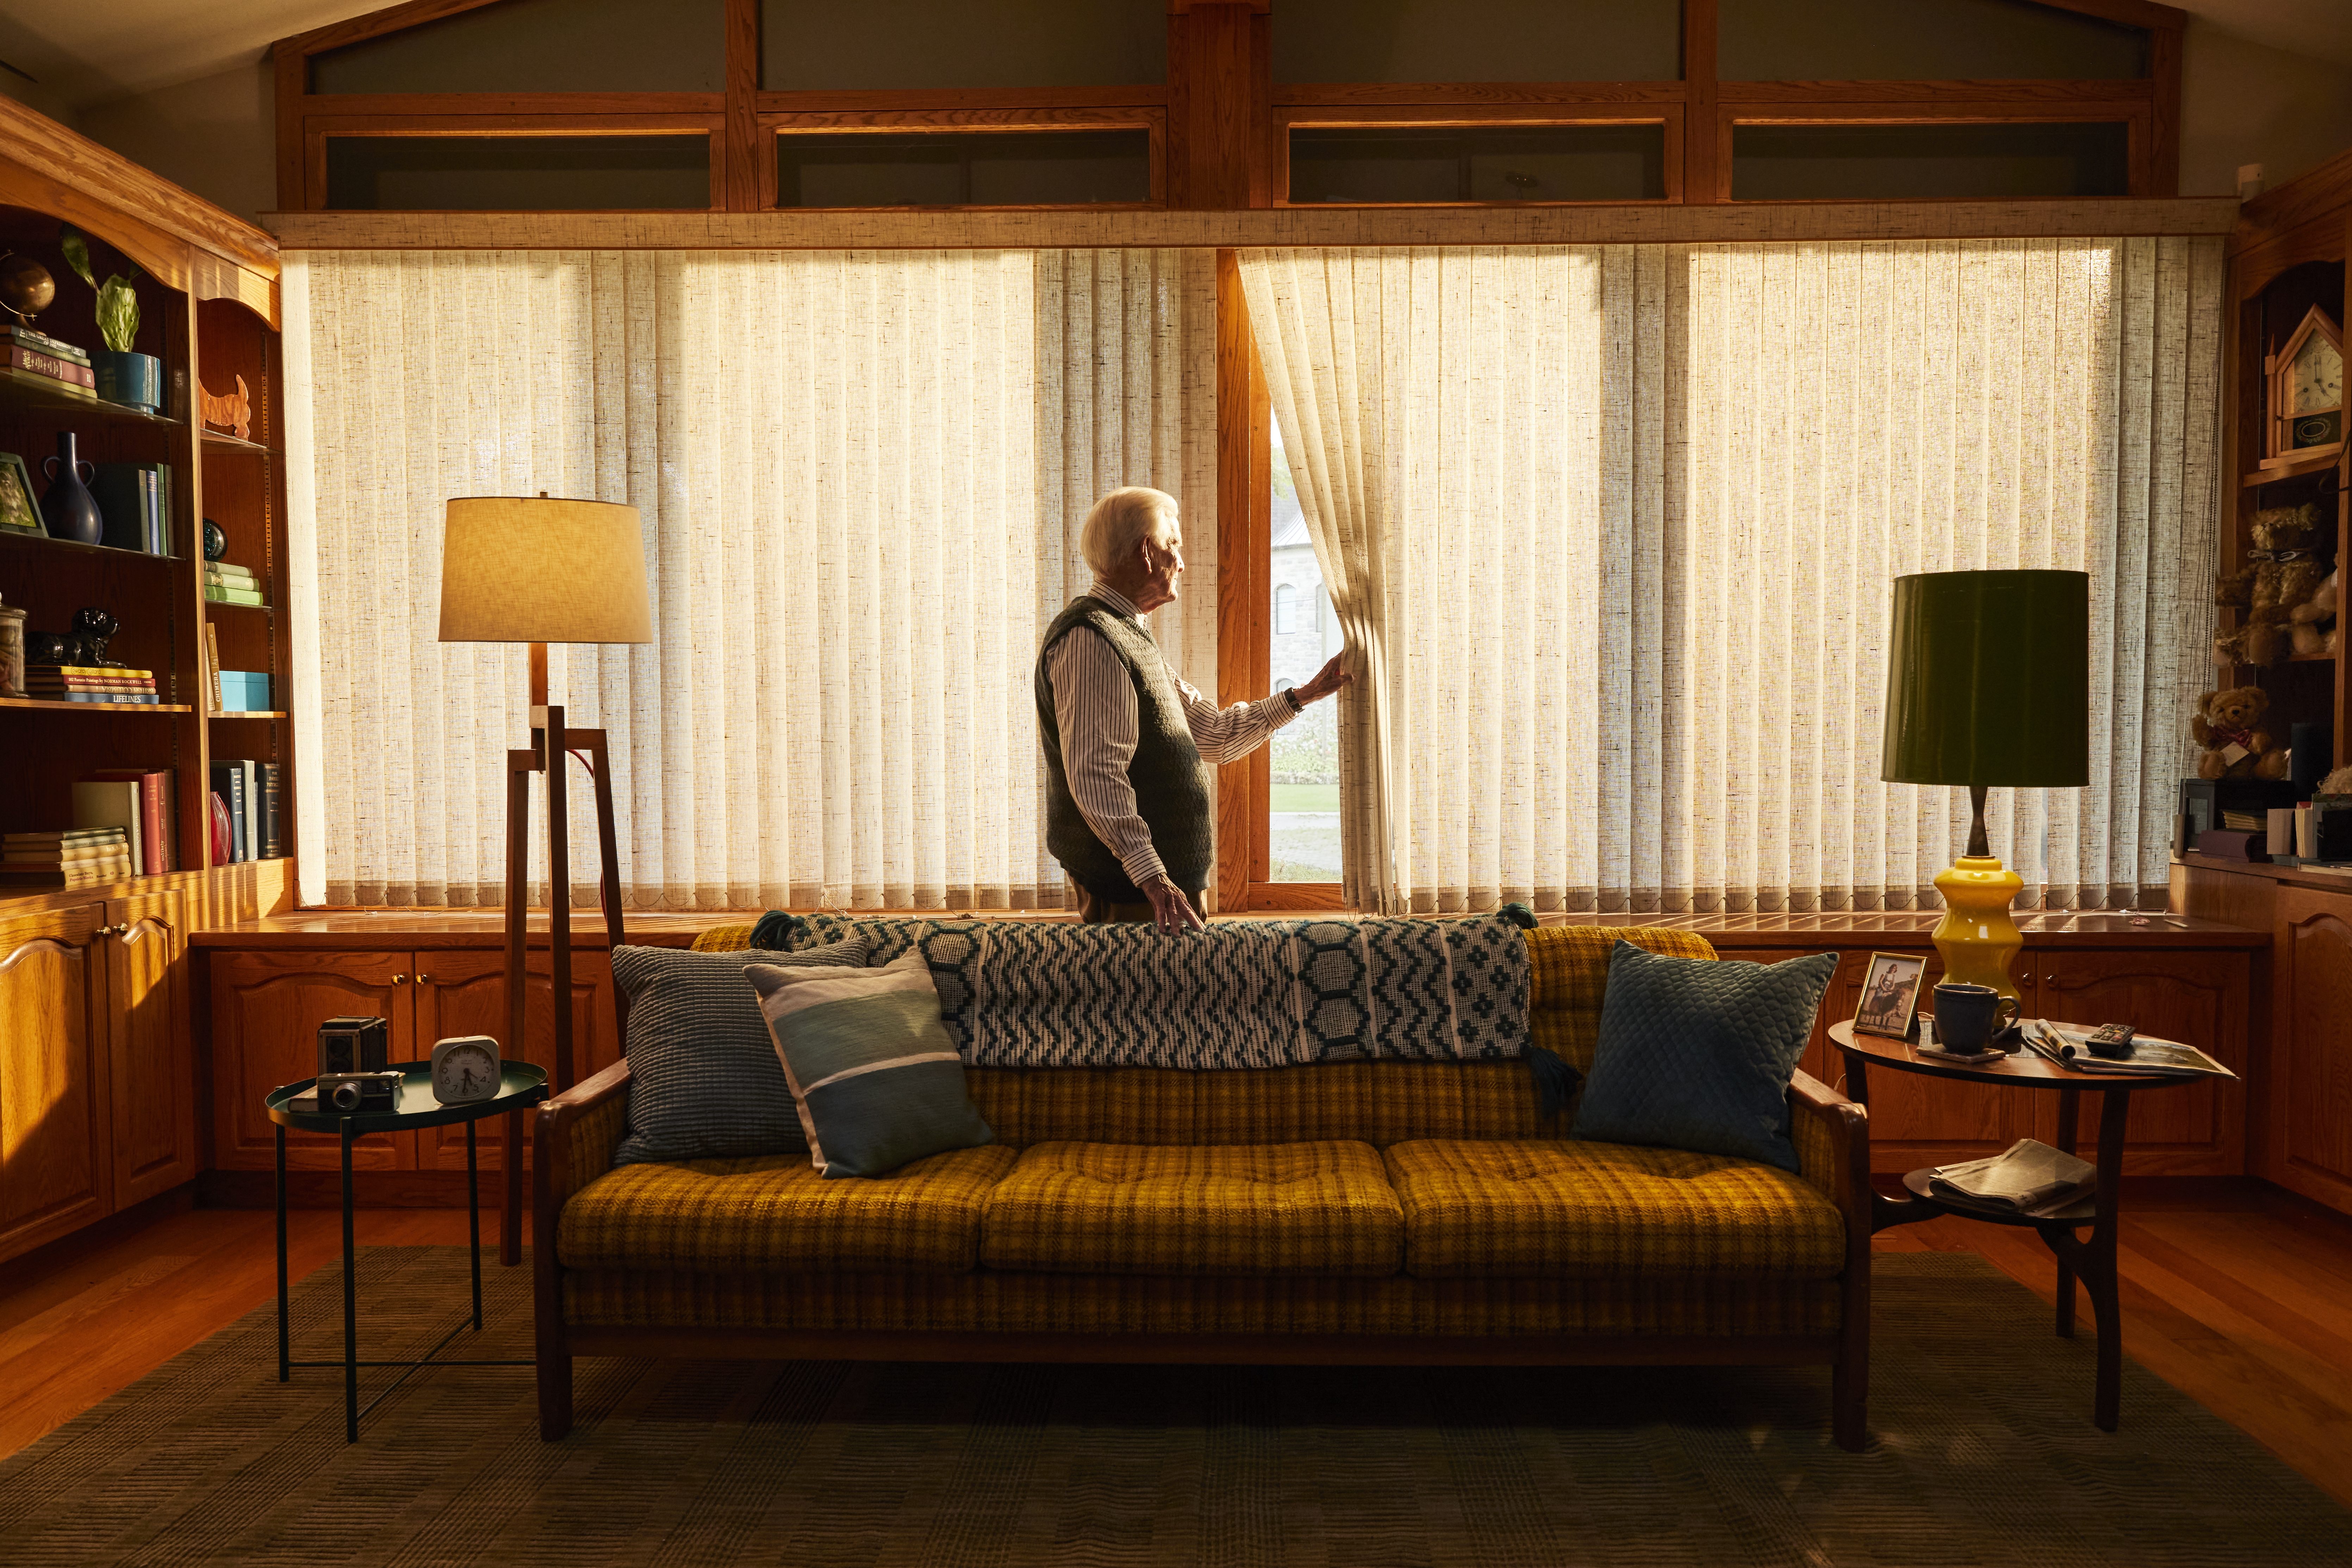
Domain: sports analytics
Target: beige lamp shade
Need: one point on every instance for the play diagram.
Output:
(532, 569)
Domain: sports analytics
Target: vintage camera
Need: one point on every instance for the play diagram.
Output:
(351, 1092)
(354, 1044)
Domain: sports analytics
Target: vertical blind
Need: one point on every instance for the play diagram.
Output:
(859, 476)
(1613, 532)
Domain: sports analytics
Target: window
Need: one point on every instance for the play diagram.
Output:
(1477, 164)
(994, 168)
(1285, 615)
(505, 173)
(1302, 820)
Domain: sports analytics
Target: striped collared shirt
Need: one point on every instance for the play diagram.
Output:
(1093, 705)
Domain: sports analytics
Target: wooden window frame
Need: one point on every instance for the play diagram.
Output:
(1246, 610)
(1290, 117)
(319, 128)
(1147, 118)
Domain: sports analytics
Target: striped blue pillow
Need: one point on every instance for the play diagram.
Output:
(876, 1080)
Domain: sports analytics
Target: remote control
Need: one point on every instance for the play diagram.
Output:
(2112, 1041)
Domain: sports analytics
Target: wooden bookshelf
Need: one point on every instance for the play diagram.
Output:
(207, 296)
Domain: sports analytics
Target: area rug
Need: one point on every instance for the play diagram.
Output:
(1984, 1454)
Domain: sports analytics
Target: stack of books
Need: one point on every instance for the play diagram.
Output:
(246, 801)
(89, 683)
(228, 585)
(66, 858)
(29, 353)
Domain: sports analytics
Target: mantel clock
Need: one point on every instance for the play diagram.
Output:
(2306, 391)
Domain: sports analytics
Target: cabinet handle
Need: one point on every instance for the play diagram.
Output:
(424, 979)
(400, 980)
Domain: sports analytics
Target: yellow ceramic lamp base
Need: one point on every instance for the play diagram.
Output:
(1976, 937)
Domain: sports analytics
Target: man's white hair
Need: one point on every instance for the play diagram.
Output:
(1122, 520)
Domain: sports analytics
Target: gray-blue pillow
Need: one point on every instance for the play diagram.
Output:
(704, 1082)
(1697, 1053)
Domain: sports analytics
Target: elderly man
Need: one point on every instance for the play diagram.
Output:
(1127, 809)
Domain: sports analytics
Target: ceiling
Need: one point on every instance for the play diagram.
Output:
(82, 53)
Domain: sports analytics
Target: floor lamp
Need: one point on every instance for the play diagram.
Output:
(535, 570)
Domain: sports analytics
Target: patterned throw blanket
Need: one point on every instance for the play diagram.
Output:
(1243, 993)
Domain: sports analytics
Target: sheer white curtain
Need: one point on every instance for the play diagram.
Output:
(1617, 527)
(854, 474)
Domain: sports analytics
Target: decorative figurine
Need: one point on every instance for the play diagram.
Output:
(231, 411)
(93, 629)
(48, 647)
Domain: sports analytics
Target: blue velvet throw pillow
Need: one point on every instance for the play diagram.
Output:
(1697, 1053)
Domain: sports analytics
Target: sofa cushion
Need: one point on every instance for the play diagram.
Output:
(1697, 1054)
(1539, 1209)
(1127, 1208)
(876, 1078)
(775, 1213)
(704, 1082)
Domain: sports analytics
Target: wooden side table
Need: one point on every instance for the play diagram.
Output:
(2091, 1257)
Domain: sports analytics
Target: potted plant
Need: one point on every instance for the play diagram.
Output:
(123, 375)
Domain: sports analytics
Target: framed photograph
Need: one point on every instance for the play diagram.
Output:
(1890, 993)
(19, 512)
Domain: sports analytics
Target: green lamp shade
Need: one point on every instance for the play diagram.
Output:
(1989, 680)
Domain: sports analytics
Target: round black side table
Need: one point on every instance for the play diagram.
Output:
(2091, 1257)
(520, 1084)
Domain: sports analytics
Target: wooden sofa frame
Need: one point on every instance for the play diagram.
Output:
(1846, 1353)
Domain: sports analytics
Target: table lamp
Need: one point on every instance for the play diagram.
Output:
(1988, 682)
(535, 570)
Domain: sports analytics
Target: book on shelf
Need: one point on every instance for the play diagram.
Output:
(273, 775)
(229, 785)
(225, 572)
(36, 838)
(2028, 1177)
(212, 667)
(64, 854)
(2149, 1055)
(17, 334)
(114, 803)
(158, 827)
(82, 874)
(48, 364)
(217, 817)
(134, 503)
(98, 699)
(230, 593)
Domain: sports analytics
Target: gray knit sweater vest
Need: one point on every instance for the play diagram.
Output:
(1171, 782)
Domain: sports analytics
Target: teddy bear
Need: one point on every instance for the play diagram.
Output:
(2313, 623)
(2225, 721)
(2262, 633)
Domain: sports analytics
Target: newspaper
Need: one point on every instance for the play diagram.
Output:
(2030, 1177)
(2149, 1055)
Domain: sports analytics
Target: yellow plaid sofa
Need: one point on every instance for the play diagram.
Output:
(1406, 1213)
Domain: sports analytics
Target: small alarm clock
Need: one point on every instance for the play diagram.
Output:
(465, 1070)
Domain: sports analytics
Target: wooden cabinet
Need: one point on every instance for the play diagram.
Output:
(268, 1006)
(56, 1161)
(267, 1009)
(2301, 1079)
(2310, 1101)
(150, 1062)
(466, 994)
(97, 1072)
(2193, 1129)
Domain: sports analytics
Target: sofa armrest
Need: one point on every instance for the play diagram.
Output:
(1832, 1137)
(573, 1136)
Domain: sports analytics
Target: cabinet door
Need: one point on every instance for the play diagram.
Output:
(153, 1063)
(267, 1009)
(1917, 1120)
(2186, 1130)
(56, 1171)
(2311, 1050)
(465, 993)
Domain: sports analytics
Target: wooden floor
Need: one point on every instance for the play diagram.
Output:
(2239, 1296)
